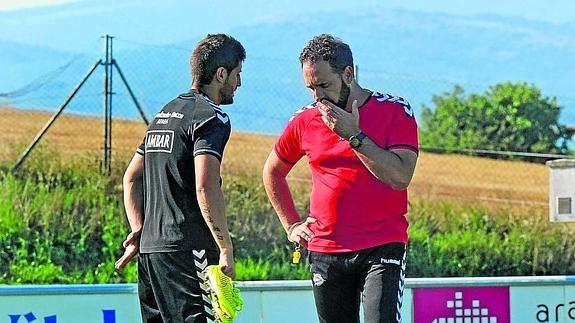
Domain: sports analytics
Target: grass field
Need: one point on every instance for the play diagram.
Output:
(449, 176)
(62, 222)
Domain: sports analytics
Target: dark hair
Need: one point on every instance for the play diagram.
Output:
(330, 49)
(212, 52)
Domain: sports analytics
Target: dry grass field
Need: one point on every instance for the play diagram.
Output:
(437, 175)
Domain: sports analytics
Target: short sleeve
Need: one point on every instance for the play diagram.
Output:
(142, 147)
(403, 134)
(288, 147)
(211, 138)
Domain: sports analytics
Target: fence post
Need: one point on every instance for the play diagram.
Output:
(106, 158)
(55, 116)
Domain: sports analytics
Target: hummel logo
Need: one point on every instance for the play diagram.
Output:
(222, 118)
(202, 265)
(199, 253)
(390, 261)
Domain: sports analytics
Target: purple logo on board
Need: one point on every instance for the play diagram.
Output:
(461, 305)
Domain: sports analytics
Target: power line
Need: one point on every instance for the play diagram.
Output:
(40, 81)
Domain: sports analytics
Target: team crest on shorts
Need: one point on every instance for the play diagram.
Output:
(318, 279)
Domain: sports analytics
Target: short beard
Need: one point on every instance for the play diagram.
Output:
(343, 95)
(226, 94)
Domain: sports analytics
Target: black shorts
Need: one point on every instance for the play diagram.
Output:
(170, 286)
(374, 276)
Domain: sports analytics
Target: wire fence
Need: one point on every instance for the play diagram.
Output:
(272, 89)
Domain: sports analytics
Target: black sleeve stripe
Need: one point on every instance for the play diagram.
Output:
(409, 147)
(140, 151)
(283, 158)
(207, 152)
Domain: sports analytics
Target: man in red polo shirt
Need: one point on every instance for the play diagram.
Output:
(362, 149)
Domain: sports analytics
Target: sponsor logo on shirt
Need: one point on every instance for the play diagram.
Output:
(169, 115)
(159, 141)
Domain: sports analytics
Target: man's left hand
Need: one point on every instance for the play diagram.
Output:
(132, 247)
(343, 123)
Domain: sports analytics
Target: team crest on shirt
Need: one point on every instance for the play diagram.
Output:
(159, 141)
(397, 99)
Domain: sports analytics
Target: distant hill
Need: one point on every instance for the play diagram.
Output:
(412, 54)
(21, 63)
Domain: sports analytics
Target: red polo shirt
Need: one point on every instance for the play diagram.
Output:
(353, 209)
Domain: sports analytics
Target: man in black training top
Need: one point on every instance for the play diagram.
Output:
(172, 194)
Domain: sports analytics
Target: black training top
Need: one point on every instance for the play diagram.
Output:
(188, 126)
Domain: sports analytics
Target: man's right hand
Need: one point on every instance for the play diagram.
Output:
(132, 247)
(301, 233)
(227, 263)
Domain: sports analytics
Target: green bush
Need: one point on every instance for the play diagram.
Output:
(255, 229)
(250, 269)
(60, 227)
(448, 240)
(506, 117)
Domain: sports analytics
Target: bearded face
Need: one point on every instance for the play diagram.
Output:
(343, 95)
(227, 92)
(232, 83)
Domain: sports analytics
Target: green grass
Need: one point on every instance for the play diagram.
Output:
(65, 224)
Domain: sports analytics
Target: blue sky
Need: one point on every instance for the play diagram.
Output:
(442, 42)
(75, 25)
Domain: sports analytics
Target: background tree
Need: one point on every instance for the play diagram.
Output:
(507, 117)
